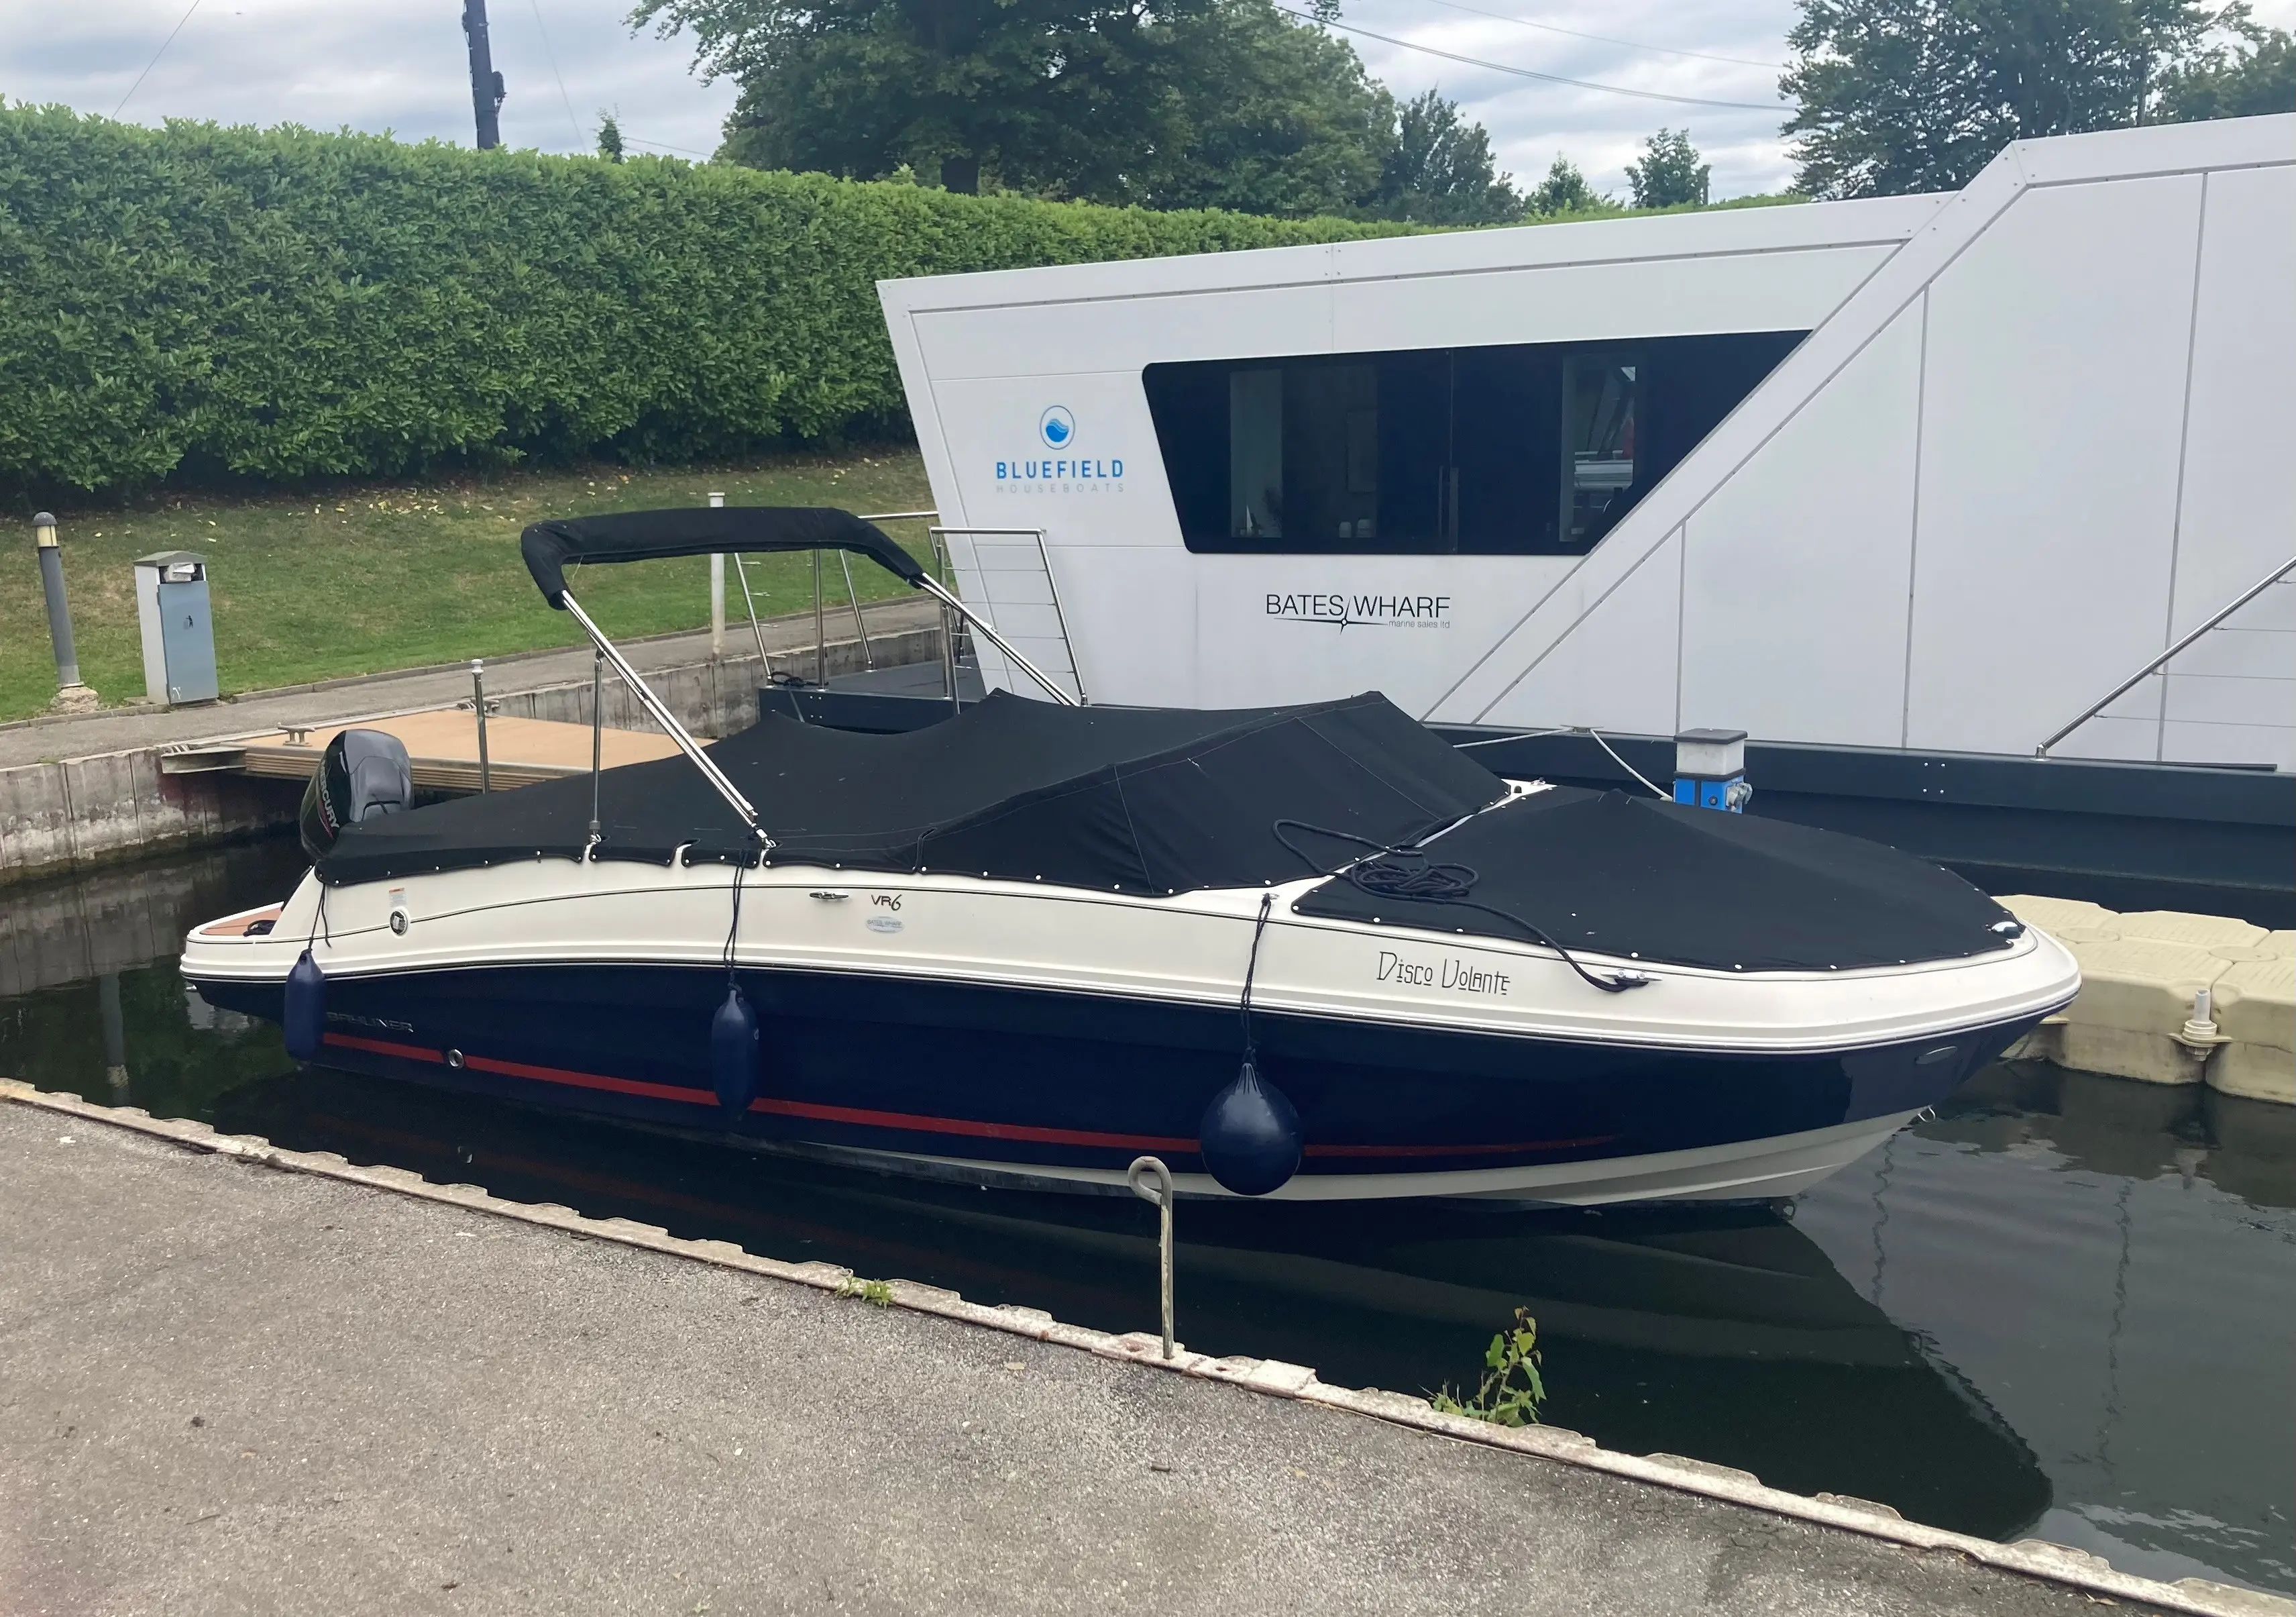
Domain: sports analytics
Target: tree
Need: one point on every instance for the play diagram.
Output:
(2252, 74)
(610, 137)
(1440, 171)
(1669, 174)
(1900, 96)
(1162, 102)
(1272, 117)
(1565, 190)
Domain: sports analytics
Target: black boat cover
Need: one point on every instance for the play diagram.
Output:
(1137, 799)
(698, 530)
(1640, 878)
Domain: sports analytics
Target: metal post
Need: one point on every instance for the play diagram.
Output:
(1161, 1194)
(597, 733)
(716, 591)
(115, 1034)
(820, 629)
(70, 691)
(479, 707)
(947, 633)
(853, 599)
(486, 84)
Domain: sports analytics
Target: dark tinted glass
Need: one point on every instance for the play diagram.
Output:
(1525, 449)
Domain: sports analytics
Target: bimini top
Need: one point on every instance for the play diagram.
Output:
(1155, 800)
(641, 536)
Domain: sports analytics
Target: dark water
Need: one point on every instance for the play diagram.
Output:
(2063, 1308)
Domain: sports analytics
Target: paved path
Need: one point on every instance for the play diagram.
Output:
(257, 712)
(229, 1389)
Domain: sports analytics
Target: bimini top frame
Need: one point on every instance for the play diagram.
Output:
(639, 536)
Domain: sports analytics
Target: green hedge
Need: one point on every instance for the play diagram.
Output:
(198, 301)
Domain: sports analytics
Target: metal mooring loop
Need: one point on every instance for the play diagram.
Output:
(1151, 1181)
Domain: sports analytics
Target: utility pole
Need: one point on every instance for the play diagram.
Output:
(487, 90)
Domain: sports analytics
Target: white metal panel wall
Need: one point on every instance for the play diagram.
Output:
(1796, 572)
(1618, 670)
(2054, 394)
(2233, 695)
(1753, 292)
(2087, 455)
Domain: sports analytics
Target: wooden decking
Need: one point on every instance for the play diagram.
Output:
(442, 747)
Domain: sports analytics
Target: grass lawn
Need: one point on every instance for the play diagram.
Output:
(396, 576)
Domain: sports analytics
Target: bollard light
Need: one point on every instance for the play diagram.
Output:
(70, 694)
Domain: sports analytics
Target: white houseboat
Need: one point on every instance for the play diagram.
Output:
(1910, 490)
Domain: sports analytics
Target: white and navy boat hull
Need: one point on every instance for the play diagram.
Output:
(1020, 1034)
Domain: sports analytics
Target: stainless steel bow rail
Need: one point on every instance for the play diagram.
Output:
(2154, 667)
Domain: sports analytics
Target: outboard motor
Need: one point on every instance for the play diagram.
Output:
(362, 774)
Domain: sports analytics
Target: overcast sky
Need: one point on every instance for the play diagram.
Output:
(399, 65)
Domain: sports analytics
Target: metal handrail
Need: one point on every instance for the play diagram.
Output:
(1052, 587)
(933, 588)
(2153, 666)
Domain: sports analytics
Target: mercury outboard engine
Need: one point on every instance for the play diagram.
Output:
(362, 774)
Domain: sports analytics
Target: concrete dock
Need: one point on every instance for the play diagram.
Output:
(241, 1380)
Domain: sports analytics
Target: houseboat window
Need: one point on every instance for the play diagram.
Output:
(1598, 439)
(1522, 449)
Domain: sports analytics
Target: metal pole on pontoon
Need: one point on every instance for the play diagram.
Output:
(716, 591)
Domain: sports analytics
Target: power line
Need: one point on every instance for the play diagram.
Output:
(1582, 84)
(552, 57)
(1632, 45)
(682, 150)
(162, 50)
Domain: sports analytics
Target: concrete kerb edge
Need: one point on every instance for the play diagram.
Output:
(2033, 1558)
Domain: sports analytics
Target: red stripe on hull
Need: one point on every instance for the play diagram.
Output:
(966, 1126)
(381, 1047)
(915, 1123)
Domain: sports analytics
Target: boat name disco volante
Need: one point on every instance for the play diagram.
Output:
(1452, 973)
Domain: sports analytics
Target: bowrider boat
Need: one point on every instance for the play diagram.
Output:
(1306, 952)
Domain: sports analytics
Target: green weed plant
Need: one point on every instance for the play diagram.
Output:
(1511, 1391)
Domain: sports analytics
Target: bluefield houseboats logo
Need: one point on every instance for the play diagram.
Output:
(1062, 471)
(1363, 609)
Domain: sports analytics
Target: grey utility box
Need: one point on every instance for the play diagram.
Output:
(171, 605)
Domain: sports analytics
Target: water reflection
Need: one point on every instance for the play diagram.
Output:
(2115, 1264)
(2061, 1307)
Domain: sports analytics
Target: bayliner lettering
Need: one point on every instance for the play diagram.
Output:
(1460, 976)
(1356, 611)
